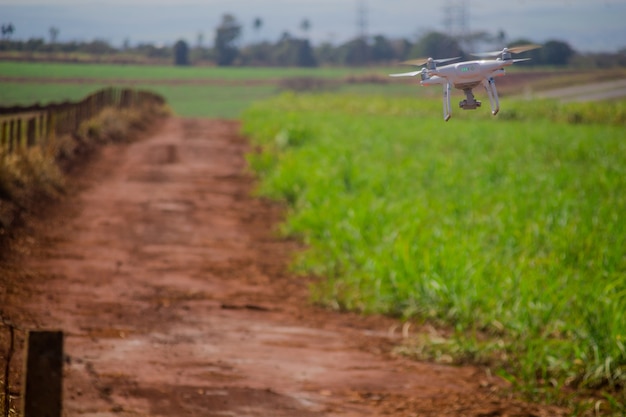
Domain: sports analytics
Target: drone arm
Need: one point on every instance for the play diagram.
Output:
(492, 92)
(446, 102)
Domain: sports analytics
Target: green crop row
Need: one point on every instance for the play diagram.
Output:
(156, 73)
(511, 227)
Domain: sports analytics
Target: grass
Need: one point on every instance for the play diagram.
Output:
(190, 91)
(212, 100)
(26, 94)
(185, 100)
(510, 230)
(159, 73)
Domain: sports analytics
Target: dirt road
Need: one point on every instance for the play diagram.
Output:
(606, 90)
(171, 286)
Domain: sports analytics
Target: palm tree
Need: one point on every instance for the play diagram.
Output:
(54, 34)
(305, 26)
(257, 24)
(7, 30)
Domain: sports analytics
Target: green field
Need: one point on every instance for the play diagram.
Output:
(190, 91)
(159, 73)
(511, 230)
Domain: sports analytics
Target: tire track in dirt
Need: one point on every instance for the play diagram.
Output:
(172, 289)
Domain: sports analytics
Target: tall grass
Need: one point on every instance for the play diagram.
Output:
(511, 227)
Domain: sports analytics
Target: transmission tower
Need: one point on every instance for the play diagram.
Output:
(456, 20)
(361, 20)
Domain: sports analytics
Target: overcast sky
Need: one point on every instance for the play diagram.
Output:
(587, 25)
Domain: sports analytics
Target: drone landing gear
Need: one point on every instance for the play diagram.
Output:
(446, 102)
(470, 103)
(492, 92)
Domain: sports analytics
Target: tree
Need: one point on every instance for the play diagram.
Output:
(199, 40)
(7, 30)
(382, 50)
(54, 34)
(500, 38)
(556, 53)
(355, 52)
(290, 51)
(257, 54)
(226, 36)
(305, 26)
(326, 53)
(436, 45)
(257, 24)
(181, 53)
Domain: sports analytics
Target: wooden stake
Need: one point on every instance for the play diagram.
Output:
(43, 386)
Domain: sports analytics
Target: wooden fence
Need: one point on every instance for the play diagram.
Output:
(25, 126)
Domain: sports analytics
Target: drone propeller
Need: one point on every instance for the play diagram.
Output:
(523, 48)
(513, 50)
(409, 74)
(423, 61)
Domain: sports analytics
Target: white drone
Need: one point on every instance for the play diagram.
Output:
(467, 75)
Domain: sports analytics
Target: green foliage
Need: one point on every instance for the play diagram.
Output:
(27, 178)
(511, 227)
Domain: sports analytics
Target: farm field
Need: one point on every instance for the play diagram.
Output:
(500, 239)
(510, 230)
(227, 92)
(156, 73)
(191, 92)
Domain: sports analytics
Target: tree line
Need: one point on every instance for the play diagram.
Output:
(298, 51)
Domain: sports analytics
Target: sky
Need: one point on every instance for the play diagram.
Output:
(587, 25)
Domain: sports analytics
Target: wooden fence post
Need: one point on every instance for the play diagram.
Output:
(51, 128)
(3, 134)
(12, 134)
(23, 127)
(31, 132)
(43, 385)
(41, 126)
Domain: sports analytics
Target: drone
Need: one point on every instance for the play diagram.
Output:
(467, 75)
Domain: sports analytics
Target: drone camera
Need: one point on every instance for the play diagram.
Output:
(467, 105)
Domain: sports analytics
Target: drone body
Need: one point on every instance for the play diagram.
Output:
(465, 76)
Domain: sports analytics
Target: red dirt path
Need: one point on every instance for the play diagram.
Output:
(171, 286)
